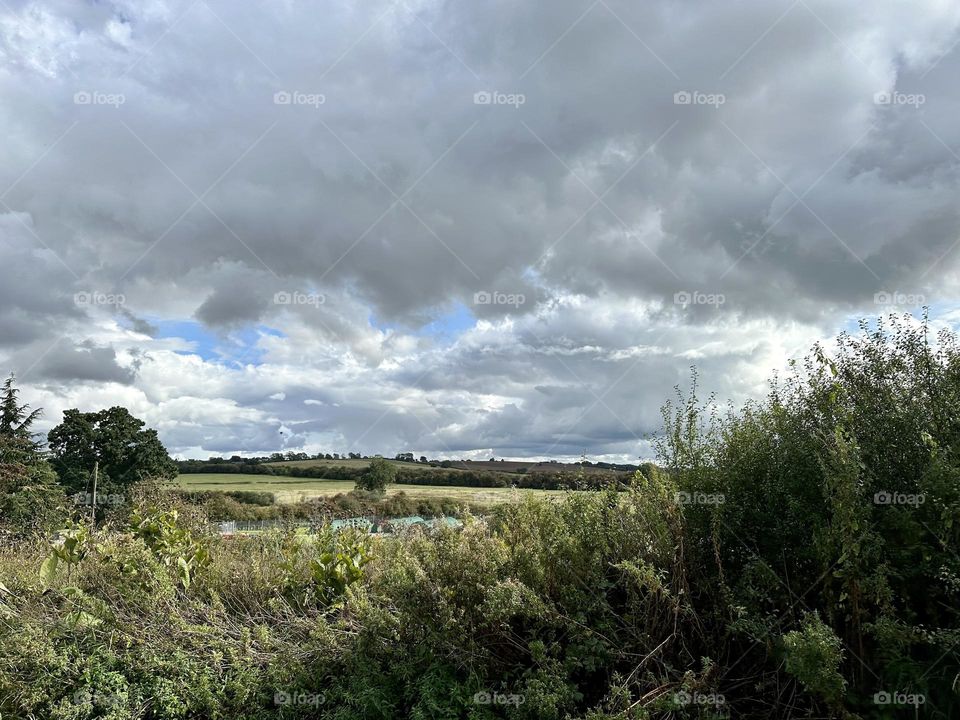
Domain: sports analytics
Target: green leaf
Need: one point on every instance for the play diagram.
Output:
(48, 569)
(82, 619)
(184, 572)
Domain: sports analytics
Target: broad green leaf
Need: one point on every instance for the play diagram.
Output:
(48, 569)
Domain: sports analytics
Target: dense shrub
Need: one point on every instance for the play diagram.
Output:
(840, 495)
(544, 603)
(218, 506)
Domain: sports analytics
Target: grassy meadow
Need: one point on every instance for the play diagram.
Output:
(291, 490)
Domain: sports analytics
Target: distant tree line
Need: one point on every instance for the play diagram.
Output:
(536, 480)
(266, 465)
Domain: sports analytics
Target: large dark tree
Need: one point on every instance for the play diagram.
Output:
(116, 439)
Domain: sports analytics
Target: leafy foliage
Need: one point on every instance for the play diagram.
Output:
(172, 543)
(814, 655)
(126, 452)
(16, 419)
(842, 497)
(376, 478)
(68, 547)
(30, 498)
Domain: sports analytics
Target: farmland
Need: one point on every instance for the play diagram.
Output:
(290, 489)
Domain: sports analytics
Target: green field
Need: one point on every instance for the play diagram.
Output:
(290, 489)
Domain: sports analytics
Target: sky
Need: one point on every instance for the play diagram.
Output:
(454, 228)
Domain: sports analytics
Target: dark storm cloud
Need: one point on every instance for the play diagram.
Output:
(84, 362)
(403, 160)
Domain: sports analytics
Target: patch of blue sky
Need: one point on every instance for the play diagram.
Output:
(446, 327)
(236, 347)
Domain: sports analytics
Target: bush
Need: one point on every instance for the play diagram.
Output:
(839, 494)
(31, 500)
(814, 655)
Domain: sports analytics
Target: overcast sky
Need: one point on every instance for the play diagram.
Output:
(458, 228)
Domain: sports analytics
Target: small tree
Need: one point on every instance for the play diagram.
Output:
(380, 474)
(16, 419)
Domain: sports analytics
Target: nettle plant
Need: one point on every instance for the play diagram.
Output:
(340, 561)
(68, 546)
(171, 542)
(321, 568)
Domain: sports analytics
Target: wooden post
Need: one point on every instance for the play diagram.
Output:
(93, 512)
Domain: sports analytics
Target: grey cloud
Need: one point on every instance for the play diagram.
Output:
(83, 362)
(398, 198)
